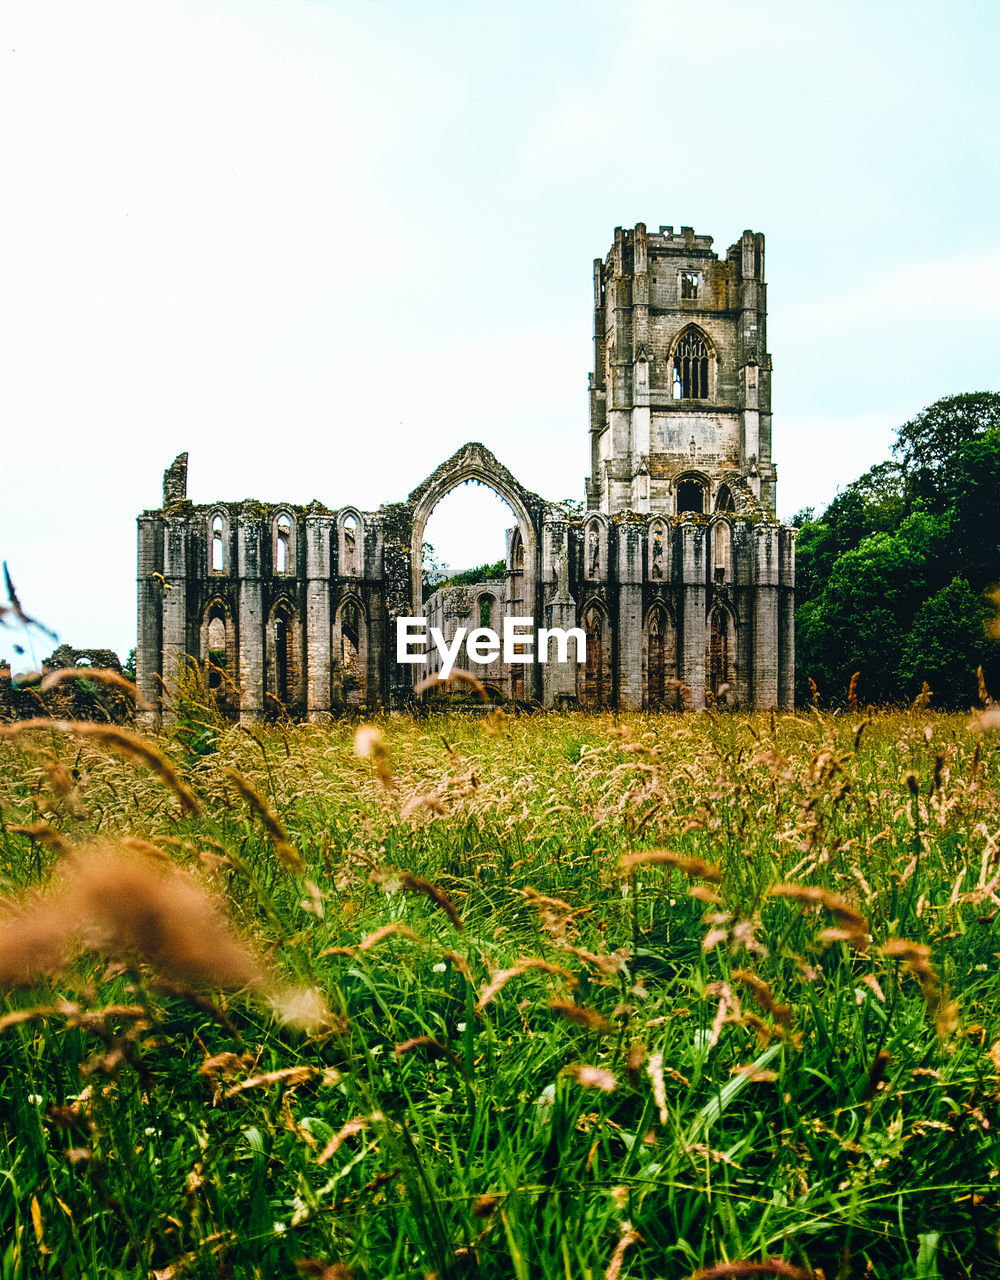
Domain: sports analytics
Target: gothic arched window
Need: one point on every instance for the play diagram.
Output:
(691, 367)
(283, 537)
(690, 495)
(724, 499)
(218, 545)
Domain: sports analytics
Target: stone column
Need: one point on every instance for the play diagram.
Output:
(399, 590)
(318, 531)
(786, 620)
(765, 633)
(693, 578)
(149, 654)
(629, 626)
(249, 534)
(174, 631)
(558, 678)
(744, 557)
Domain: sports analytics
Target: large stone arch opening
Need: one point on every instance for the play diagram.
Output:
(475, 462)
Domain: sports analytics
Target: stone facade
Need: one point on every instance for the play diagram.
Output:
(677, 572)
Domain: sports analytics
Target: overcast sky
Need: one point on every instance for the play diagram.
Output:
(319, 244)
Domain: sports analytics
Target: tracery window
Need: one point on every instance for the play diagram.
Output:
(690, 495)
(691, 367)
(690, 282)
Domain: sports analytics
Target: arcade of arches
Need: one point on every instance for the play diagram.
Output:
(677, 610)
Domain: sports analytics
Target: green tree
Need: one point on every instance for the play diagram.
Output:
(929, 445)
(862, 615)
(890, 578)
(946, 643)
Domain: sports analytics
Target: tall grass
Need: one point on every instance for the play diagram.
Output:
(568, 996)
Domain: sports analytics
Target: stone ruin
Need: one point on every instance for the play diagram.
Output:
(676, 570)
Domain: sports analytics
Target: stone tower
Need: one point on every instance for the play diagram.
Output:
(680, 396)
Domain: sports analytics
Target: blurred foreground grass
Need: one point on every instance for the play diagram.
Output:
(466, 1031)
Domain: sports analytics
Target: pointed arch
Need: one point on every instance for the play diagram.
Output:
(692, 364)
(217, 653)
(722, 550)
(350, 544)
(658, 552)
(593, 679)
(515, 558)
(350, 652)
(724, 500)
(283, 543)
(691, 491)
(475, 462)
(659, 659)
(283, 658)
(720, 664)
(595, 549)
(218, 543)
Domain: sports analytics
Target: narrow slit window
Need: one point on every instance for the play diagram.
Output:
(282, 543)
(350, 527)
(218, 547)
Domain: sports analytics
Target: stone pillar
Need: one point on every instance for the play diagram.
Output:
(558, 678)
(149, 654)
(402, 599)
(629, 627)
(249, 535)
(318, 532)
(174, 611)
(744, 549)
(786, 620)
(765, 632)
(693, 578)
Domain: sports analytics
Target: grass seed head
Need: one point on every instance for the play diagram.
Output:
(370, 744)
(416, 884)
(165, 918)
(694, 868)
(129, 746)
(581, 1016)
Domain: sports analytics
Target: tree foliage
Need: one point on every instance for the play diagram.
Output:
(891, 578)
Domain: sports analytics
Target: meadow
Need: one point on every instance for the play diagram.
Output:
(593, 997)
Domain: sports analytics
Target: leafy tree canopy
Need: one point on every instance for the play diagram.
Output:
(891, 577)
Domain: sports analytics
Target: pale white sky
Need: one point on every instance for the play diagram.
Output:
(319, 244)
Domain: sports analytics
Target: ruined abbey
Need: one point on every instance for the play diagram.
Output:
(677, 571)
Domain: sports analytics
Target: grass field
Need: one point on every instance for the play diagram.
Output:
(559, 996)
